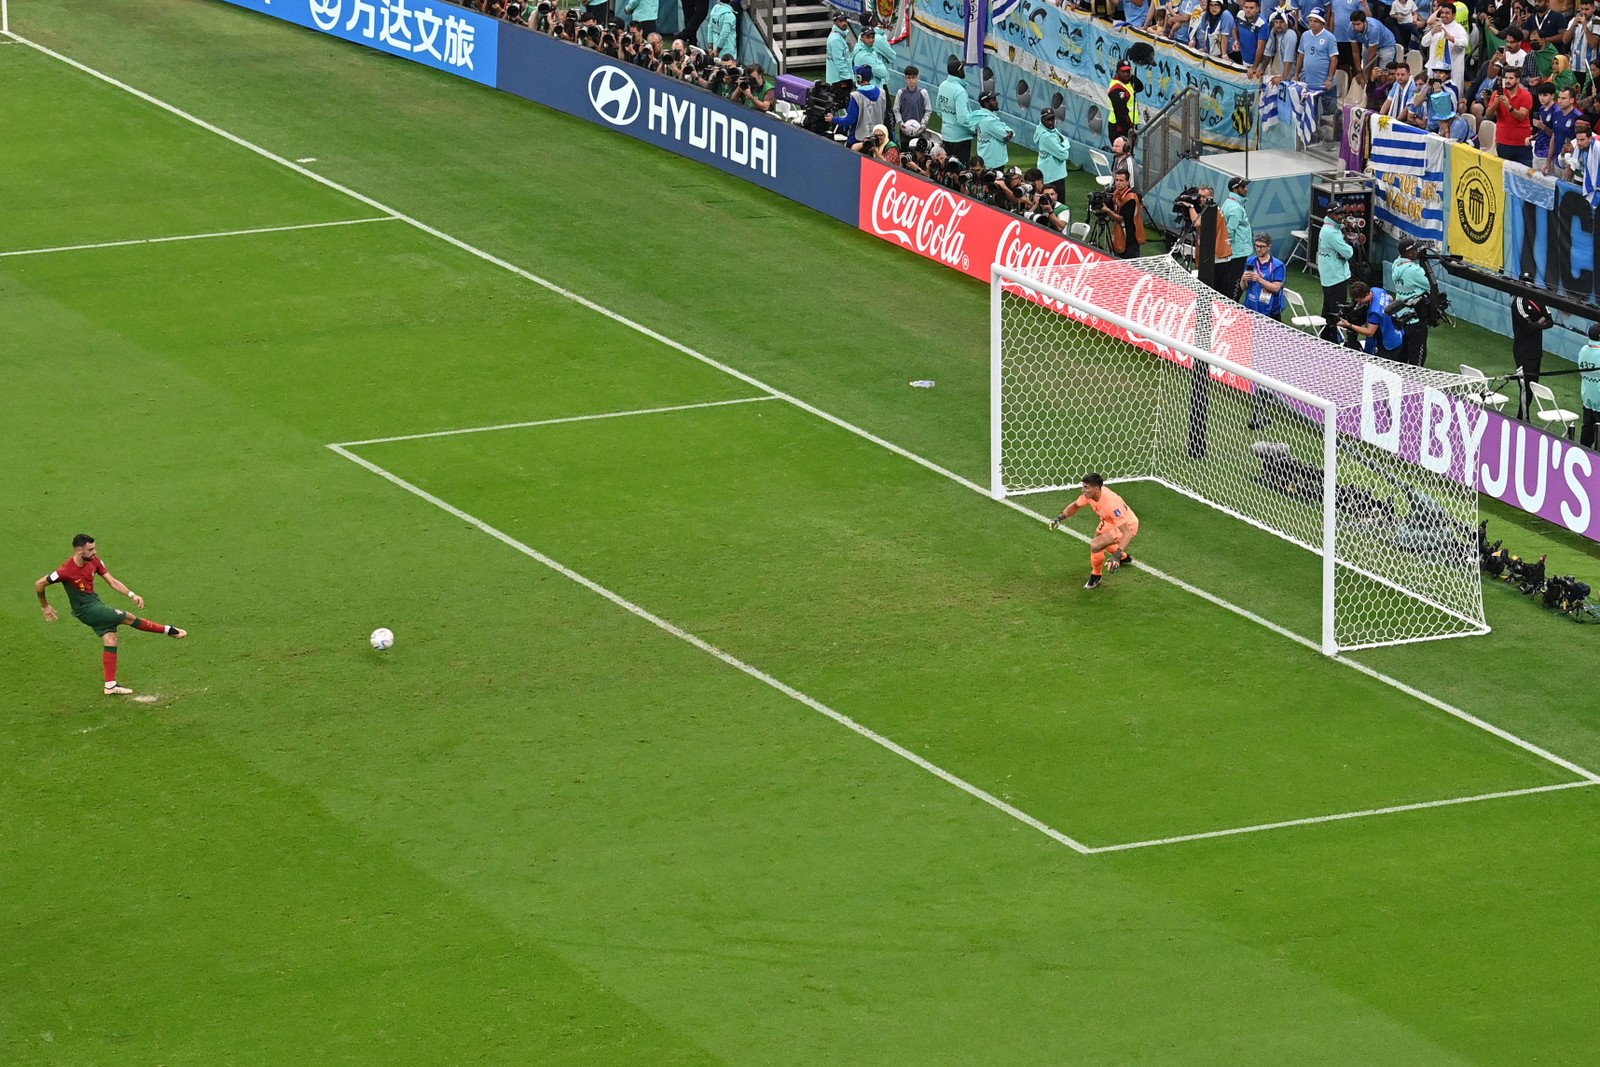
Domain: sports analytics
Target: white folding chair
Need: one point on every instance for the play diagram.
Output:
(1301, 251)
(1414, 61)
(1299, 314)
(1483, 393)
(1549, 411)
(1102, 167)
(1486, 135)
(1079, 230)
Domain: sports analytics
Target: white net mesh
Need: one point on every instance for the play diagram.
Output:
(1153, 400)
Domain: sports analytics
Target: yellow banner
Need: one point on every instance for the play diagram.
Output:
(1477, 207)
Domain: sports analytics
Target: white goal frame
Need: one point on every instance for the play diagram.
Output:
(1079, 308)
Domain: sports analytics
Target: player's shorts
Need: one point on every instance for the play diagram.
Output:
(101, 619)
(1116, 528)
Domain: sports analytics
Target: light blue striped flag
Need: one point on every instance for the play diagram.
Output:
(1409, 180)
(1523, 184)
(975, 27)
(1269, 104)
(1398, 148)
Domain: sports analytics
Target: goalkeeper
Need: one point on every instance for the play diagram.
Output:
(1118, 527)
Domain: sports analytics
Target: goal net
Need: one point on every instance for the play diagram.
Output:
(1136, 370)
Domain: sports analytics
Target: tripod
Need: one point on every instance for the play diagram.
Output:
(1100, 232)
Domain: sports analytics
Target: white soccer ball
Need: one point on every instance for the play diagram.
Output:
(382, 638)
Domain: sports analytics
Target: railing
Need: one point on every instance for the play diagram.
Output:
(1171, 136)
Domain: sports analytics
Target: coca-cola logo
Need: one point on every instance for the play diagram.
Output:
(930, 223)
(1018, 250)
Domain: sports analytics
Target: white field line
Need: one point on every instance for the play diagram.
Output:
(1340, 817)
(756, 383)
(552, 422)
(195, 236)
(705, 646)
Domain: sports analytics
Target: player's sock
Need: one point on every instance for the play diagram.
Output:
(147, 626)
(108, 660)
(1097, 563)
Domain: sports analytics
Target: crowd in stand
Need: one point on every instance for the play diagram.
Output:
(1528, 66)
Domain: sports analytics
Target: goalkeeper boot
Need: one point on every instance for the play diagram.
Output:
(1093, 582)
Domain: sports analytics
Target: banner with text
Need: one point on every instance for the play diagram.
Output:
(430, 32)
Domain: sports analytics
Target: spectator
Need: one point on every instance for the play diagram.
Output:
(1182, 17)
(1384, 336)
(1544, 26)
(1583, 39)
(1053, 148)
(1402, 16)
(1158, 24)
(642, 13)
(1589, 363)
(1397, 101)
(839, 68)
(955, 112)
(1263, 278)
(994, 136)
(1215, 33)
(1585, 166)
(1124, 95)
(872, 51)
(911, 107)
(1509, 107)
(1334, 254)
(1372, 42)
(1135, 13)
(1563, 125)
(1126, 216)
(755, 90)
(1378, 83)
(1544, 115)
(1250, 37)
(1283, 47)
(1340, 16)
(1318, 61)
(868, 107)
(1441, 102)
(722, 30)
(1445, 44)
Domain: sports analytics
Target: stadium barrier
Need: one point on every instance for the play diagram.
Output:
(1518, 464)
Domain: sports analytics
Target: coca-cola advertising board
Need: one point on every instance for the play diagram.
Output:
(948, 228)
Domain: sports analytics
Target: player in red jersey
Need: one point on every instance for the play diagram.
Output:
(1118, 527)
(78, 574)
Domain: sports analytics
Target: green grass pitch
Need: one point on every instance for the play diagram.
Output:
(553, 826)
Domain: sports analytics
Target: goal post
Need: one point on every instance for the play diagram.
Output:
(1137, 371)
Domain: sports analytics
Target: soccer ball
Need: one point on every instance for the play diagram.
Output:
(382, 638)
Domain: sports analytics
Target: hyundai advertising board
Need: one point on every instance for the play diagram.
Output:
(683, 119)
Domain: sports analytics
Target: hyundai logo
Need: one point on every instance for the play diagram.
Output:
(613, 95)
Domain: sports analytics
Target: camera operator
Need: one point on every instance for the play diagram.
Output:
(754, 90)
(1411, 284)
(1204, 200)
(1334, 253)
(1529, 320)
(869, 105)
(1125, 214)
(1589, 364)
(1384, 336)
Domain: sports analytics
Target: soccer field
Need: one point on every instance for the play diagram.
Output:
(728, 720)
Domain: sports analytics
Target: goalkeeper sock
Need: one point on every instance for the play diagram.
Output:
(1097, 563)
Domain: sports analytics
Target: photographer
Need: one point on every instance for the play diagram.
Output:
(725, 77)
(979, 182)
(754, 91)
(1334, 253)
(1384, 336)
(1052, 212)
(1125, 214)
(994, 136)
(876, 145)
(1412, 283)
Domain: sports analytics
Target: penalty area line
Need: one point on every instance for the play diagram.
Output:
(756, 383)
(195, 236)
(712, 650)
(1343, 816)
(553, 422)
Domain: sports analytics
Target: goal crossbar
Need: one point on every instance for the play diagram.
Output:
(1425, 512)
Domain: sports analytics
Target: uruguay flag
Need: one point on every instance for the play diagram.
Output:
(977, 15)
